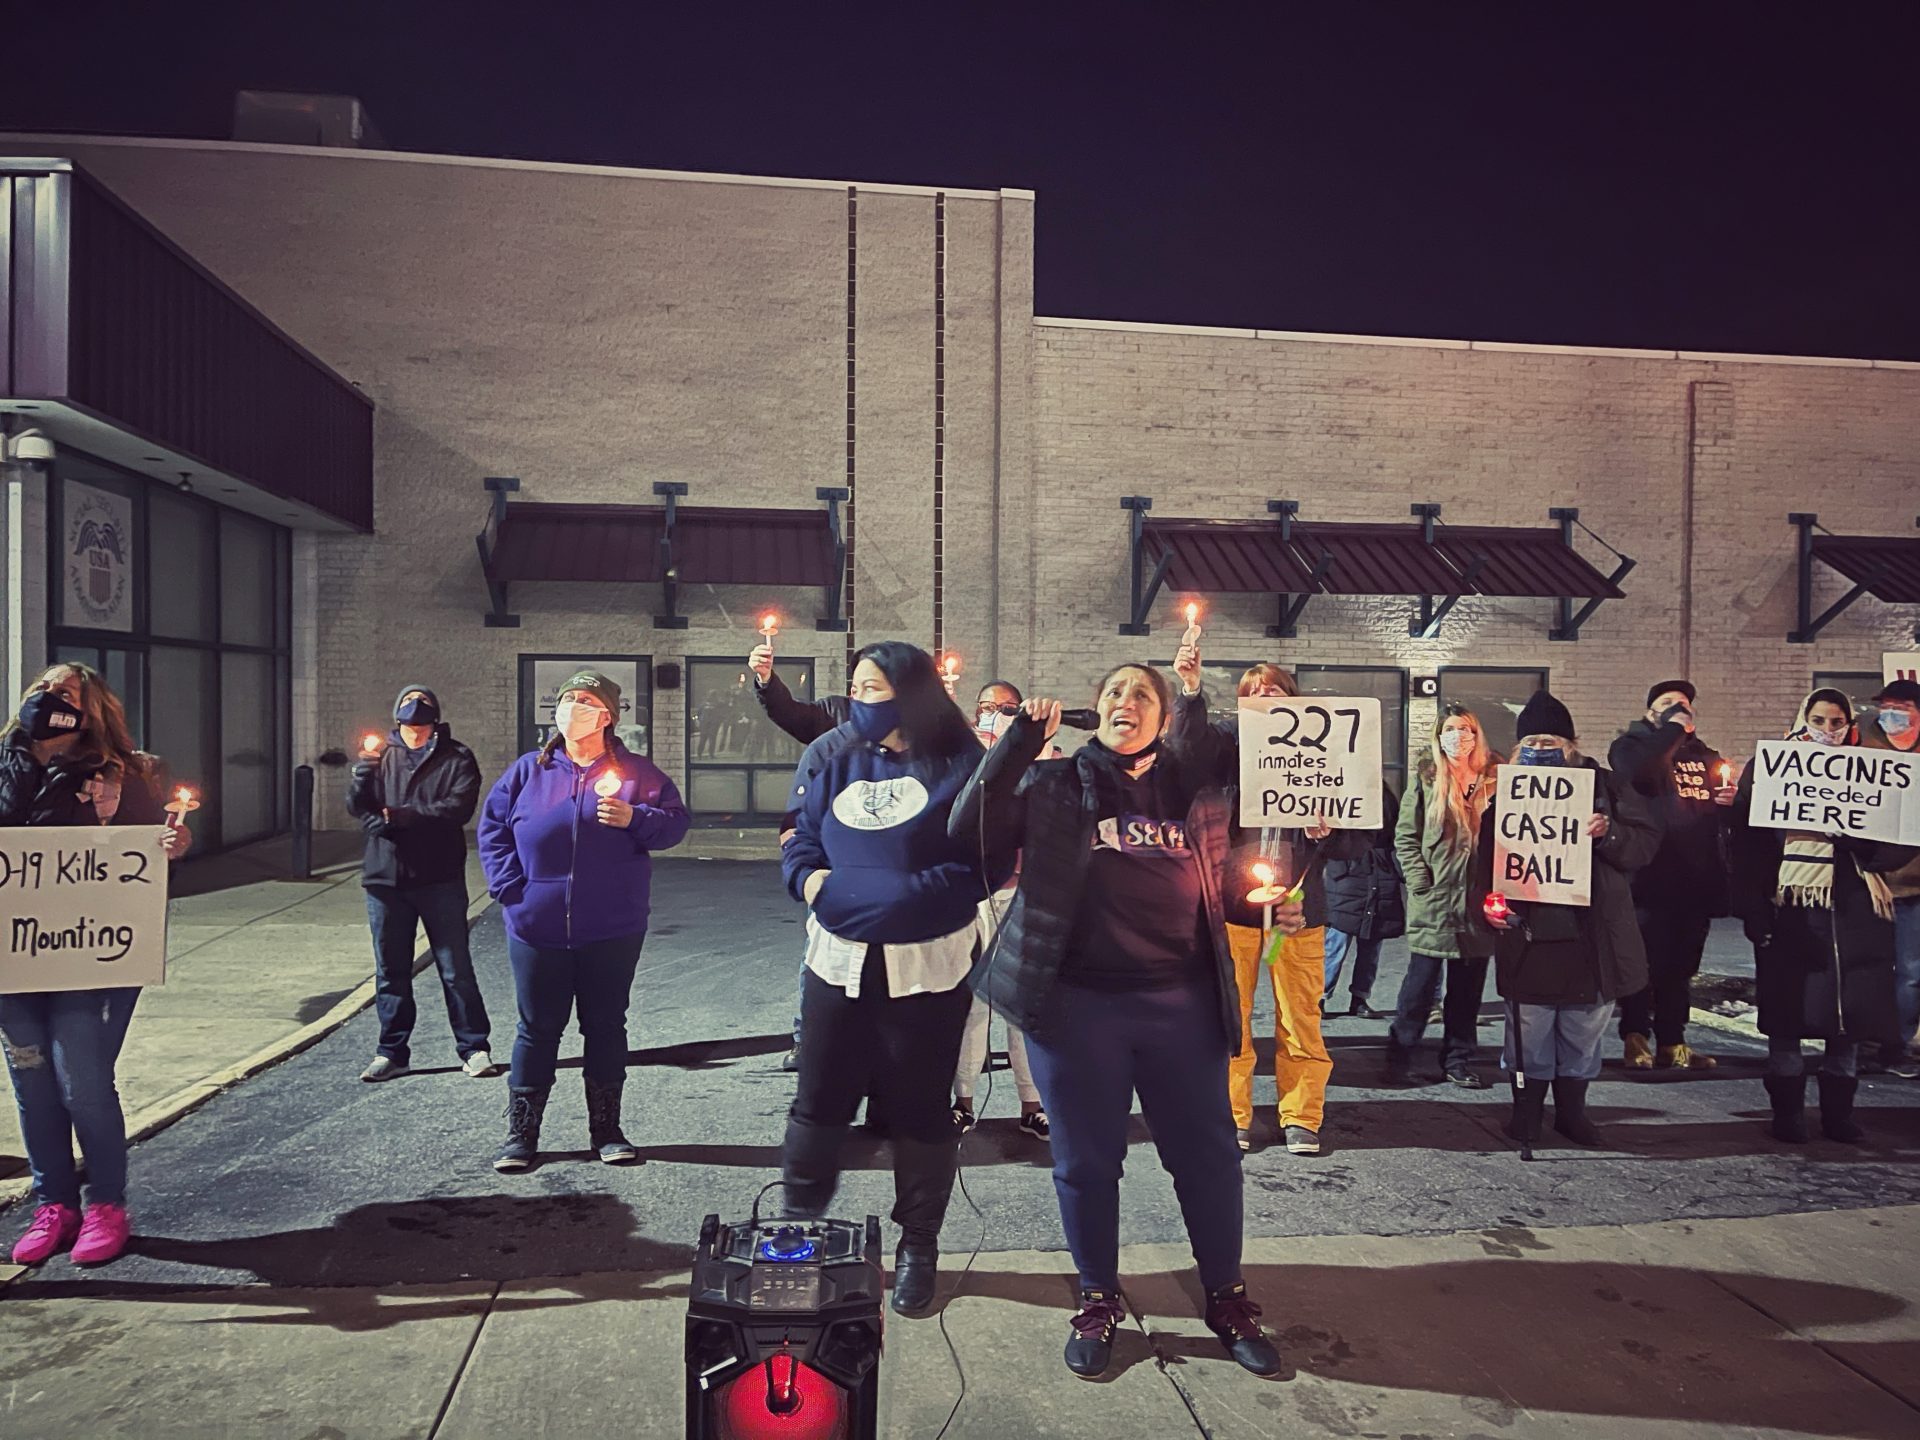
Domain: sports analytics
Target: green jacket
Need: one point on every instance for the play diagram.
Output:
(1438, 878)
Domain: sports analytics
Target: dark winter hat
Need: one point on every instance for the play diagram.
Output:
(596, 685)
(1545, 715)
(407, 690)
(1678, 687)
(1898, 690)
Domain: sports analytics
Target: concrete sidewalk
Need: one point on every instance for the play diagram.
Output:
(258, 966)
(1797, 1325)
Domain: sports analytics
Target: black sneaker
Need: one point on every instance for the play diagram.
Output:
(1465, 1079)
(791, 1060)
(1302, 1141)
(1090, 1347)
(1236, 1320)
(1036, 1124)
(1363, 1011)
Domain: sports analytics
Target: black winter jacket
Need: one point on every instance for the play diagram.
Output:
(1609, 923)
(1676, 774)
(805, 721)
(1045, 812)
(1366, 894)
(1818, 972)
(422, 840)
(55, 793)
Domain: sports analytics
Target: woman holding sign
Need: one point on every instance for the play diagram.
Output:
(1114, 961)
(1560, 967)
(68, 758)
(1819, 912)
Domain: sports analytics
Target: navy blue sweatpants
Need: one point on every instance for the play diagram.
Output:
(1099, 1049)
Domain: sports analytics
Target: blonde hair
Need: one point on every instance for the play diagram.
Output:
(105, 741)
(1265, 673)
(1452, 814)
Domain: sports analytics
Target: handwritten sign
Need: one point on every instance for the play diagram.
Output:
(1541, 849)
(1837, 790)
(1894, 665)
(82, 907)
(1305, 760)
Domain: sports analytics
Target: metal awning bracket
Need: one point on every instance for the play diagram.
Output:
(498, 617)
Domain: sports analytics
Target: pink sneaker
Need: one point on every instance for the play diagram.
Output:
(103, 1234)
(52, 1230)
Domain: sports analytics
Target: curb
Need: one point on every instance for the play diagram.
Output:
(1715, 1021)
(153, 1118)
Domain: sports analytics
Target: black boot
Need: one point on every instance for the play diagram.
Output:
(1529, 1108)
(603, 1123)
(1570, 1111)
(1090, 1346)
(809, 1168)
(1789, 1096)
(922, 1184)
(525, 1106)
(1836, 1109)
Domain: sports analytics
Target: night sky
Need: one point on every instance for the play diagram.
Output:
(1698, 175)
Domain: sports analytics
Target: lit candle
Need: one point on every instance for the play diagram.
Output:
(1496, 909)
(769, 626)
(1265, 894)
(1192, 637)
(370, 745)
(1726, 773)
(179, 807)
(608, 785)
(950, 671)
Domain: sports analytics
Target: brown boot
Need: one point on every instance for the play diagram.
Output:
(1638, 1053)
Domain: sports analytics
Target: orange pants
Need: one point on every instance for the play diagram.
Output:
(1301, 1065)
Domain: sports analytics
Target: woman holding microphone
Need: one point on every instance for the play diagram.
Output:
(567, 839)
(67, 758)
(1114, 961)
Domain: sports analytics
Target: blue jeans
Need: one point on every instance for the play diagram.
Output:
(1460, 1011)
(1100, 1047)
(1560, 1042)
(1366, 964)
(61, 1048)
(1906, 964)
(396, 916)
(551, 985)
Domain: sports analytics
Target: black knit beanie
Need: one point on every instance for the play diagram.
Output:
(1545, 715)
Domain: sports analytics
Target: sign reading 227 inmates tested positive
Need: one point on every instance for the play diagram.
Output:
(1304, 761)
(1837, 790)
(82, 907)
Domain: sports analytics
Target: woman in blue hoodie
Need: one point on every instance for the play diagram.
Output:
(893, 911)
(567, 838)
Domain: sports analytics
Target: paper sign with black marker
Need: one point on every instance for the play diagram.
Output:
(1837, 790)
(1899, 665)
(1311, 759)
(82, 907)
(1541, 849)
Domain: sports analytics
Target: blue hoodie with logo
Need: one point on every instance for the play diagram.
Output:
(878, 821)
(562, 878)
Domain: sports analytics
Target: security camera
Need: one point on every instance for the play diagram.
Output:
(32, 445)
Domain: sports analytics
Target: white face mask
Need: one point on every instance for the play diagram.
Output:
(1822, 737)
(1895, 722)
(1453, 742)
(577, 720)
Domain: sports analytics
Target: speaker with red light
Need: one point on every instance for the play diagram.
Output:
(783, 1331)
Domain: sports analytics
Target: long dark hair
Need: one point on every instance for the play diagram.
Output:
(930, 722)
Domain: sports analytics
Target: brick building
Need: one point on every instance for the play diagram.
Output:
(593, 333)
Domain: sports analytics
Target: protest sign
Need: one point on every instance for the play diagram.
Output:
(1896, 665)
(1306, 760)
(1541, 849)
(1837, 790)
(82, 907)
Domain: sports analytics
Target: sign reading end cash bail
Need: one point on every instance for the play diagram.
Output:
(1541, 849)
(1837, 790)
(82, 907)
(1305, 760)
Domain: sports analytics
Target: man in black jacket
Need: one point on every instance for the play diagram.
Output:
(414, 796)
(1688, 788)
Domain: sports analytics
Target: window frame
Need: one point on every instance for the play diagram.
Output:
(749, 817)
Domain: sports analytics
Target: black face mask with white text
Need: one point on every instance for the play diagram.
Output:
(46, 715)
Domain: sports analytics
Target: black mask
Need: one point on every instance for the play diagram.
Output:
(418, 711)
(45, 715)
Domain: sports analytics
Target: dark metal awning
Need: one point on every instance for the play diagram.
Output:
(113, 332)
(1886, 567)
(669, 544)
(1295, 560)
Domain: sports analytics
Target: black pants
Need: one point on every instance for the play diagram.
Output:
(1675, 940)
(396, 917)
(902, 1051)
(1460, 1011)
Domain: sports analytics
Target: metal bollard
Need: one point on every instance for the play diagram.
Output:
(303, 822)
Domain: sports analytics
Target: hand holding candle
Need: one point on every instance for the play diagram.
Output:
(1498, 912)
(1726, 792)
(178, 808)
(1192, 635)
(611, 810)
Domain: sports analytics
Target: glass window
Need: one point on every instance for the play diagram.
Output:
(1388, 685)
(541, 677)
(248, 745)
(182, 728)
(738, 761)
(1859, 686)
(184, 532)
(1496, 695)
(247, 589)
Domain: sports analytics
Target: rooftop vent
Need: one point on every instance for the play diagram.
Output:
(278, 117)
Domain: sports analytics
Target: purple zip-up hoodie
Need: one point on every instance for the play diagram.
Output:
(562, 878)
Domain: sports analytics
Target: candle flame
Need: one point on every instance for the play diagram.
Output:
(1263, 872)
(370, 744)
(608, 785)
(769, 623)
(183, 794)
(953, 664)
(1193, 614)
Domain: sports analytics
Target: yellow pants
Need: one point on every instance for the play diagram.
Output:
(1301, 1064)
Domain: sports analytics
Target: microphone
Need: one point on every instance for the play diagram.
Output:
(1081, 719)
